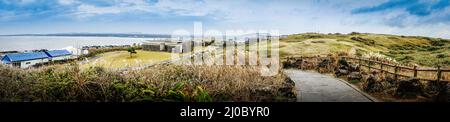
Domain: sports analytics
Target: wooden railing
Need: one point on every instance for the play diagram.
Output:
(399, 70)
(370, 64)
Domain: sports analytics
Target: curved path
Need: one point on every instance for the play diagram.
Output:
(316, 87)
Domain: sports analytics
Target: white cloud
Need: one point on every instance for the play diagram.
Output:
(26, 1)
(287, 16)
(67, 2)
(90, 10)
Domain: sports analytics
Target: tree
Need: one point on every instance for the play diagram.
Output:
(132, 51)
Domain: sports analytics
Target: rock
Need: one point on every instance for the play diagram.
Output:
(322, 67)
(355, 68)
(287, 92)
(291, 62)
(287, 89)
(341, 72)
(324, 63)
(433, 88)
(307, 65)
(390, 80)
(287, 64)
(409, 88)
(343, 63)
(264, 91)
(372, 85)
(298, 63)
(444, 94)
(387, 85)
(354, 76)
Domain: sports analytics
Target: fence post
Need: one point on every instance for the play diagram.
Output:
(415, 71)
(395, 72)
(301, 62)
(368, 64)
(439, 73)
(359, 61)
(381, 68)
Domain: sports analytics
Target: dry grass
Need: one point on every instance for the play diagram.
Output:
(122, 59)
(161, 83)
(405, 49)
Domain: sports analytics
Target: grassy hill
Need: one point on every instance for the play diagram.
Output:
(423, 51)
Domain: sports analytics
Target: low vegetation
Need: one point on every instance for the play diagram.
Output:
(94, 52)
(122, 59)
(161, 83)
(422, 51)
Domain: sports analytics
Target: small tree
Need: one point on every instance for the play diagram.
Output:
(132, 51)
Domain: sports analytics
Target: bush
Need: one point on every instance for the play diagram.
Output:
(161, 83)
(369, 42)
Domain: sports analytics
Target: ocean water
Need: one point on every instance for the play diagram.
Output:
(22, 43)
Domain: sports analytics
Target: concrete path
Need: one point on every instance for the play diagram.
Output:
(316, 87)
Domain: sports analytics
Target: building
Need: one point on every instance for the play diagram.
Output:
(59, 55)
(76, 51)
(169, 46)
(25, 60)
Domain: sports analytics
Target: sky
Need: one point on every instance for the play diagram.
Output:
(401, 17)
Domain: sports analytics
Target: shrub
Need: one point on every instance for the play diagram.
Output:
(161, 83)
(369, 42)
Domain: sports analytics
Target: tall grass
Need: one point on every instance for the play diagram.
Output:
(158, 84)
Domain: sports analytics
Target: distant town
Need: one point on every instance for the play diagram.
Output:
(37, 57)
(98, 35)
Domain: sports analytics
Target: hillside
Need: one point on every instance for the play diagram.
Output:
(423, 51)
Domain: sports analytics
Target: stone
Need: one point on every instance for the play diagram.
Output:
(287, 64)
(341, 72)
(263, 91)
(390, 80)
(409, 88)
(355, 68)
(444, 94)
(324, 63)
(343, 62)
(298, 63)
(433, 87)
(372, 85)
(287, 89)
(354, 76)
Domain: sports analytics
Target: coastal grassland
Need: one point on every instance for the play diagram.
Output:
(122, 59)
(157, 84)
(423, 51)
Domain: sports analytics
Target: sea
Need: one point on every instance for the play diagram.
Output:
(26, 43)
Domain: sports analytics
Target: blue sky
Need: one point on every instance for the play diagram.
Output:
(405, 17)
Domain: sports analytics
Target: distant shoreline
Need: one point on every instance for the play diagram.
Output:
(33, 42)
(98, 35)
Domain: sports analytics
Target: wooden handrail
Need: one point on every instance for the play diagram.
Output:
(398, 68)
(402, 67)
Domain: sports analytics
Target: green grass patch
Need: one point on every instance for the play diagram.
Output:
(123, 59)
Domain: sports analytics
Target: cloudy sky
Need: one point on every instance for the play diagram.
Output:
(405, 17)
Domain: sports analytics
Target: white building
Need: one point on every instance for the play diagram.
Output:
(25, 60)
(58, 55)
(76, 51)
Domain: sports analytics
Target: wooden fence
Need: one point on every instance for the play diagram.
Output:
(398, 69)
(426, 74)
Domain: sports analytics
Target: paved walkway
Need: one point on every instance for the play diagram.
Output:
(316, 87)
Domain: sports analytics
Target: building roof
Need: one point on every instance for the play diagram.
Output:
(24, 56)
(56, 53)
